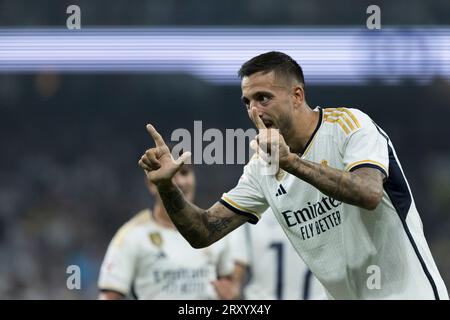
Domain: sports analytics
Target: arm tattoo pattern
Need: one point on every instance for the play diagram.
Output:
(217, 225)
(351, 188)
(200, 227)
(173, 200)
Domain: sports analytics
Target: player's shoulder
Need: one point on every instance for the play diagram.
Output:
(253, 165)
(132, 227)
(346, 120)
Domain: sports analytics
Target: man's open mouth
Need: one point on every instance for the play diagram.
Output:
(268, 124)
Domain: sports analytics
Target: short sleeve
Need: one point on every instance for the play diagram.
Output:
(117, 270)
(247, 197)
(366, 147)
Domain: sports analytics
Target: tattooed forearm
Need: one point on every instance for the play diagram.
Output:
(363, 188)
(220, 221)
(188, 218)
(173, 199)
(219, 225)
(198, 226)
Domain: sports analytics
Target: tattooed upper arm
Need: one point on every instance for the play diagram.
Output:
(220, 221)
(375, 175)
(362, 187)
(370, 185)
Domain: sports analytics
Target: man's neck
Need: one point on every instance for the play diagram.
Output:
(161, 217)
(304, 127)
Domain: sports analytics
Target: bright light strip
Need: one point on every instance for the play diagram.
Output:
(329, 56)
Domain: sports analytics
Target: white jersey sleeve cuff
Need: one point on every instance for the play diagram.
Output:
(252, 216)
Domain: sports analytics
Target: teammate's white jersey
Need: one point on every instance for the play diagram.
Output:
(276, 272)
(148, 261)
(354, 253)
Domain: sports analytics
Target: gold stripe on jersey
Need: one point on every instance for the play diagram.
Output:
(346, 120)
(337, 114)
(234, 204)
(351, 116)
(140, 218)
(354, 164)
(339, 121)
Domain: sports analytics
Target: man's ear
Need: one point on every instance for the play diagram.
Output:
(298, 94)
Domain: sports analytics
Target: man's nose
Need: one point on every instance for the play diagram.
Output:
(257, 105)
(176, 180)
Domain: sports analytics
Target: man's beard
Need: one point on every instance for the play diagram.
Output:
(285, 125)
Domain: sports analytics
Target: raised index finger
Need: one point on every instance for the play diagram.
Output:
(257, 120)
(159, 141)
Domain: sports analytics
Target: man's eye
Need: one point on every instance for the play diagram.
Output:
(184, 172)
(264, 99)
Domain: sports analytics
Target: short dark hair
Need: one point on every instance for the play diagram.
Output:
(276, 61)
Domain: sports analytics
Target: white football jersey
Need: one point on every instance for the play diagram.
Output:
(276, 272)
(148, 261)
(355, 253)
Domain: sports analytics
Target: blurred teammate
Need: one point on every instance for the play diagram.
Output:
(274, 269)
(340, 194)
(149, 259)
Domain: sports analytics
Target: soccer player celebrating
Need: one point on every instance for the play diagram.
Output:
(149, 259)
(340, 193)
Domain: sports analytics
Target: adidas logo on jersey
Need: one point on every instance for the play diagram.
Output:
(280, 191)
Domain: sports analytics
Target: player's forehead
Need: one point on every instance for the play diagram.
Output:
(186, 169)
(261, 81)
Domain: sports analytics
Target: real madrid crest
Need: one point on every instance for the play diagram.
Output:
(156, 239)
(280, 174)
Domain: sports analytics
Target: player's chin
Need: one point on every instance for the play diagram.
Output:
(187, 193)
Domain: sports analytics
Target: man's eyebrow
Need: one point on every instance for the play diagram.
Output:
(256, 94)
(263, 93)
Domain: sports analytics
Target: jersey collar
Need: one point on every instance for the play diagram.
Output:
(319, 123)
